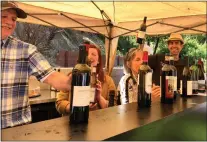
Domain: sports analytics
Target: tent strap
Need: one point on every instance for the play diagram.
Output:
(192, 27)
(81, 24)
(84, 26)
(184, 28)
(130, 31)
(43, 20)
(103, 14)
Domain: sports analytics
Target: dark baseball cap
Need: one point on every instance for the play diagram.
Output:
(12, 5)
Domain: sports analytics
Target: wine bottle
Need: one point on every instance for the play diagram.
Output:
(80, 90)
(194, 77)
(93, 82)
(111, 98)
(167, 82)
(118, 98)
(142, 32)
(144, 82)
(186, 82)
(174, 73)
(201, 78)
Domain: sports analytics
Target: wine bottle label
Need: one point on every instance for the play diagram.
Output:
(201, 85)
(148, 82)
(181, 87)
(195, 85)
(92, 94)
(175, 83)
(189, 88)
(81, 95)
(169, 86)
(141, 35)
(201, 82)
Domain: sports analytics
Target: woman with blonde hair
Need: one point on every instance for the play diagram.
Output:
(128, 83)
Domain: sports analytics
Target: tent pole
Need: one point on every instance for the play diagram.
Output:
(103, 14)
(109, 48)
(156, 45)
(109, 33)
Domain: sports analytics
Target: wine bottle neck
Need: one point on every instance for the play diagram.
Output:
(82, 55)
(188, 62)
(171, 62)
(145, 19)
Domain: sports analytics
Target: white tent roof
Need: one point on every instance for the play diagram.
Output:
(122, 14)
(125, 17)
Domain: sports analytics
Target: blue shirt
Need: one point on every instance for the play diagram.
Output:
(19, 60)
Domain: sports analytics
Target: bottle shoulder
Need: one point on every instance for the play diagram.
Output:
(166, 67)
(145, 68)
(82, 67)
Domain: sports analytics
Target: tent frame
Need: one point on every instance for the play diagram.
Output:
(110, 25)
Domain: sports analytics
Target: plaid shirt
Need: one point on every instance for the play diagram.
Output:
(19, 60)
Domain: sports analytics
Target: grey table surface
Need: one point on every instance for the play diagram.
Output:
(45, 97)
(103, 124)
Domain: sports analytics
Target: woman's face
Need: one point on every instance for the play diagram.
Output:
(136, 62)
(93, 56)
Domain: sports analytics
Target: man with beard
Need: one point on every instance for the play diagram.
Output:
(175, 45)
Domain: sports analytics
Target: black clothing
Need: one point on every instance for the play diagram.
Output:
(156, 61)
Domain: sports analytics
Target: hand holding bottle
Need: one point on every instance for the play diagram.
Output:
(99, 98)
(155, 91)
(93, 106)
(99, 90)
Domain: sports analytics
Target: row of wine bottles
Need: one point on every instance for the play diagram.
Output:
(193, 80)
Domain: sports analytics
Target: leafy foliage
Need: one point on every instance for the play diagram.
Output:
(194, 47)
(125, 43)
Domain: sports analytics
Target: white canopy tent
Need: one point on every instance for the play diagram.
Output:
(113, 19)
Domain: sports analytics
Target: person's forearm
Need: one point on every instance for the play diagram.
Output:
(58, 81)
(103, 103)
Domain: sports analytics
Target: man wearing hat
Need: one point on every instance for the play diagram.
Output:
(175, 45)
(19, 60)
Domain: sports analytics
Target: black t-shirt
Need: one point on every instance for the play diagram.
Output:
(156, 61)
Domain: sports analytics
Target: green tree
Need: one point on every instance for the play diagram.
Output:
(125, 43)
